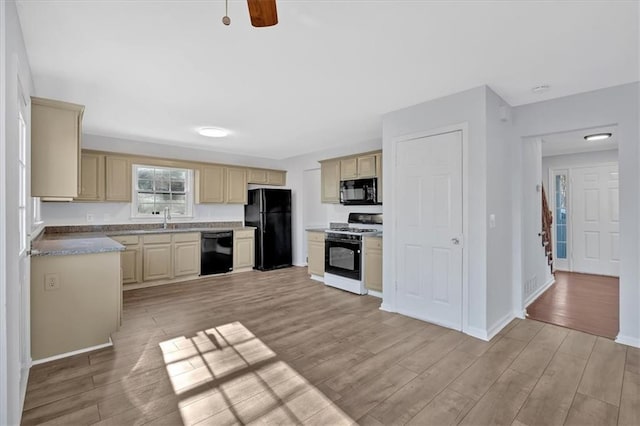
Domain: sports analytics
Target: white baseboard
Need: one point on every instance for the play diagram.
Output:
(24, 380)
(374, 293)
(520, 314)
(317, 278)
(499, 325)
(72, 353)
(476, 332)
(386, 308)
(532, 298)
(628, 340)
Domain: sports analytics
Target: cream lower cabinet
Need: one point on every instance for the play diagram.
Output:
(373, 263)
(186, 254)
(156, 257)
(315, 259)
(130, 259)
(243, 249)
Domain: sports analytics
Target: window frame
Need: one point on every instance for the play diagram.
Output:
(189, 193)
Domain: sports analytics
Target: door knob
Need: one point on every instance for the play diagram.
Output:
(455, 241)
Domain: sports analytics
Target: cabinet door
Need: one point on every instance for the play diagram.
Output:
(55, 148)
(379, 176)
(118, 179)
(131, 265)
(186, 259)
(236, 186)
(330, 182)
(257, 176)
(157, 262)
(91, 177)
(276, 178)
(367, 166)
(373, 269)
(349, 168)
(212, 184)
(243, 253)
(315, 263)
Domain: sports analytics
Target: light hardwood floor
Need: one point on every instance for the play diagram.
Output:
(276, 347)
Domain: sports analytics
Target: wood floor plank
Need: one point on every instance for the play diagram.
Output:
(551, 398)
(448, 408)
(413, 397)
(501, 403)
(277, 347)
(630, 401)
(587, 411)
(602, 378)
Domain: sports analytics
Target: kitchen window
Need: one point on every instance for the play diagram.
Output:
(157, 188)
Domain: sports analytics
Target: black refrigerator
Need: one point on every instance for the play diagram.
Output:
(269, 210)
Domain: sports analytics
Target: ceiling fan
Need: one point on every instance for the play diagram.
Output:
(263, 13)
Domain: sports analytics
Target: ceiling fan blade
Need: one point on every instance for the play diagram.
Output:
(263, 13)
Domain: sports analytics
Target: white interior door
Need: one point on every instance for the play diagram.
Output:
(595, 220)
(429, 229)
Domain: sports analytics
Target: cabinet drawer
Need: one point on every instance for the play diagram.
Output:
(373, 243)
(127, 240)
(315, 236)
(156, 238)
(244, 233)
(186, 237)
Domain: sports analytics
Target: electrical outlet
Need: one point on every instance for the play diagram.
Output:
(51, 282)
(90, 217)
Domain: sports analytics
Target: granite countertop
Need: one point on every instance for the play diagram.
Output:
(70, 243)
(71, 246)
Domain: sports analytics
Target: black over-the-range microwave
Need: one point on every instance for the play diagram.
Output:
(359, 191)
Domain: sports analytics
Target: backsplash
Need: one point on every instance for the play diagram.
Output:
(139, 226)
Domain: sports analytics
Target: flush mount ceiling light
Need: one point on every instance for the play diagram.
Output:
(541, 89)
(213, 132)
(597, 136)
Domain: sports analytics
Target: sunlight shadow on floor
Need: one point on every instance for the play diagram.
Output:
(226, 374)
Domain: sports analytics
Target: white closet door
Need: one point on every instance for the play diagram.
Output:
(429, 229)
(595, 220)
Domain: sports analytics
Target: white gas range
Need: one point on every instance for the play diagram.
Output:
(344, 260)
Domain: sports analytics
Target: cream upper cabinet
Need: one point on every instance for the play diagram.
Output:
(92, 176)
(236, 186)
(315, 253)
(56, 129)
(243, 249)
(118, 179)
(211, 184)
(373, 263)
(275, 177)
(257, 176)
(366, 166)
(348, 168)
(266, 177)
(330, 181)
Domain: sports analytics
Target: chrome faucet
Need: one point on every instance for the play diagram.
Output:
(167, 217)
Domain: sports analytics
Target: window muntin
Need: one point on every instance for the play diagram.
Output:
(155, 188)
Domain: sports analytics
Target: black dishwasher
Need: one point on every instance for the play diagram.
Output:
(216, 252)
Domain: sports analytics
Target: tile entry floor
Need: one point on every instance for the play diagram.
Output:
(276, 347)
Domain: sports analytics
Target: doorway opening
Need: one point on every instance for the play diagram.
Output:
(580, 178)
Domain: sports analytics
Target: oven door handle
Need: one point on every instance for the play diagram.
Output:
(336, 240)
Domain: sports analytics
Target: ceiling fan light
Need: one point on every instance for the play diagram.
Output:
(597, 137)
(213, 132)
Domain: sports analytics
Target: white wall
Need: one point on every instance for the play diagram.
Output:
(15, 66)
(466, 107)
(611, 106)
(499, 202)
(567, 161)
(296, 167)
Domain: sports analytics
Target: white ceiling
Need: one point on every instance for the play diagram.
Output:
(574, 142)
(323, 77)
